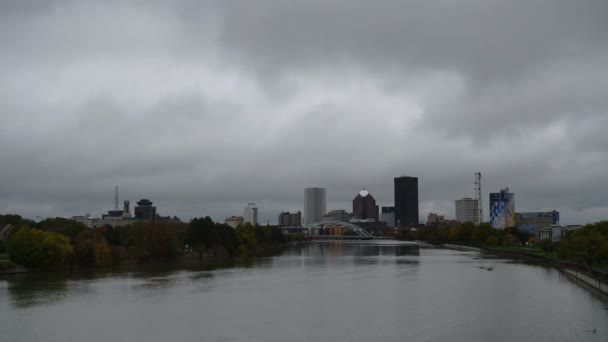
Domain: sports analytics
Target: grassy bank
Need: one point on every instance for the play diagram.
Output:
(537, 252)
(527, 250)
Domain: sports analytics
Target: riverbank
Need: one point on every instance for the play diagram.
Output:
(578, 272)
(191, 256)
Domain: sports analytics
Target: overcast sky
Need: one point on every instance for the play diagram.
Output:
(204, 106)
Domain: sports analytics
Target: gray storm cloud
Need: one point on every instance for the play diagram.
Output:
(203, 106)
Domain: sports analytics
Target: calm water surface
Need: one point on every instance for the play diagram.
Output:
(360, 291)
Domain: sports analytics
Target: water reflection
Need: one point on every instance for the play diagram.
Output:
(27, 290)
(333, 291)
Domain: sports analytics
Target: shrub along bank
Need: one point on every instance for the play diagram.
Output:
(56, 244)
(587, 245)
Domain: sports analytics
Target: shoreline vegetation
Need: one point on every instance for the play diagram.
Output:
(581, 254)
(61, 245)
(586, 247)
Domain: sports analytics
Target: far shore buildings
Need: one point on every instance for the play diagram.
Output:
(144, 210)
(433, 218)
(364, 206)
(234, 221)
(315, 205)
(388, 215)
(502, 209)
(555, 232)
(250, 214)
(533, 221)
(337, 215)
(406, 201)
(467, 210)
(287, 219)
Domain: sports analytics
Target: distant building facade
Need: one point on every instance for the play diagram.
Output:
(554, 232)
(533, 221)
(315, 205)
(287, 219)
(250, 214)
(467, 210)
(433, 218)
(387, 215)
(234, 221)
(337, 215)
(144, 210)
(406, 201)
(502, 209)
(364, 206)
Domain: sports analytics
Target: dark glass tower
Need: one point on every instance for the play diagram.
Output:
(406, 201)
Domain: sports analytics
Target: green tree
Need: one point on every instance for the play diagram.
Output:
(510, 240)
(547, 246)
(39, 249)
(61, 225)
(202, 235)
(482, 232)
(246, 237)
(492, 241)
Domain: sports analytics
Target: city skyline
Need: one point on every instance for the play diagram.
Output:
(268, 218)
(194, 110)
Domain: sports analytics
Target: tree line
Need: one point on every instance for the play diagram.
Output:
(588, 244)
(58, 243)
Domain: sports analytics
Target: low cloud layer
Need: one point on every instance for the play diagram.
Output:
(204, 106)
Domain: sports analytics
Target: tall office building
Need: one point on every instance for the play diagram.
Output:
(250, 214)
(467, 210)
(388, 215)
(502, 209)
(364, 206)
(315, 205)
(406, 201)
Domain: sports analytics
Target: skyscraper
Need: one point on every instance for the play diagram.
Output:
(406, 201)
(314, 205)
(250, 214)
(467, 210)
(502, 209)
(364, 206)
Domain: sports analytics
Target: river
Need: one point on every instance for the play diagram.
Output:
(333, 291)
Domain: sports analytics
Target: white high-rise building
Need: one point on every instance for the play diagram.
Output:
(467, 210)
(250, 214)
(314, 205)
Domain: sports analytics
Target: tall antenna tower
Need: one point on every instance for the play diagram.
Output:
(478, 196)
(116, 198)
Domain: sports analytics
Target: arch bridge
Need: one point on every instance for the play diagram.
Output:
(359, 233)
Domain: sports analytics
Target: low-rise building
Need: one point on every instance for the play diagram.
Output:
(532, 221)
(388, 215)
(336, 215)
(287, 219)
(555, 232)
(234, 221)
